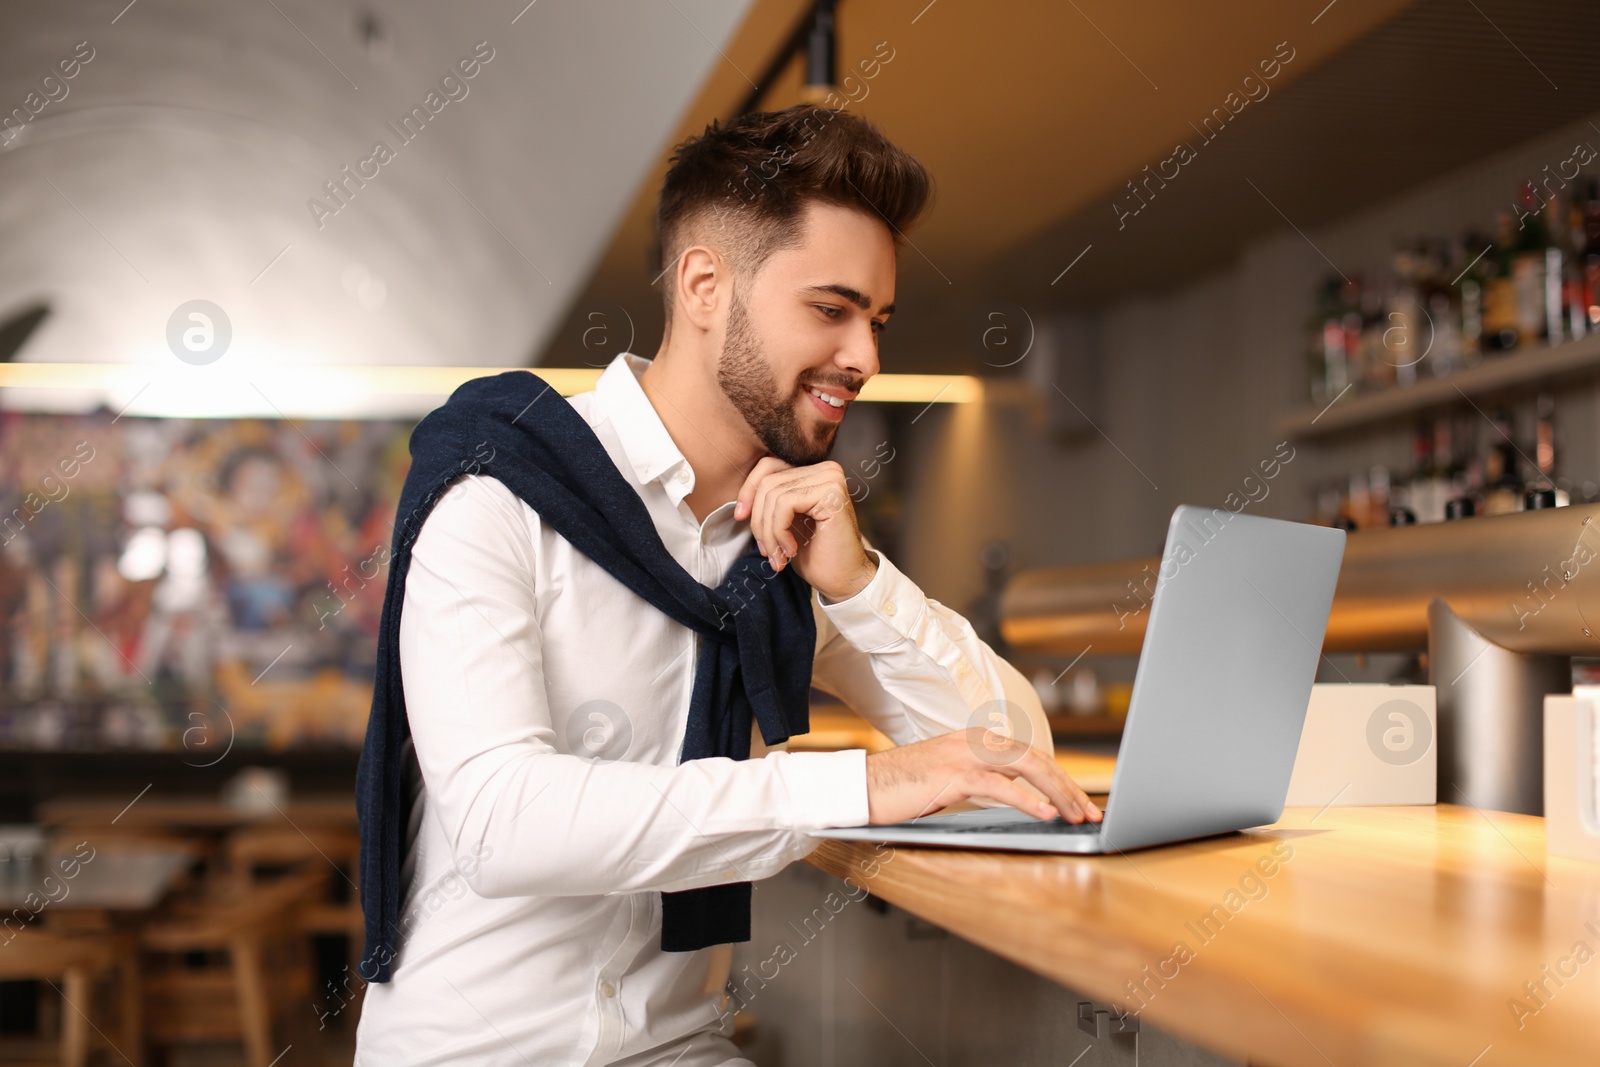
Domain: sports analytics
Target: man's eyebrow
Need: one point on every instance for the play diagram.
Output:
(855, 296)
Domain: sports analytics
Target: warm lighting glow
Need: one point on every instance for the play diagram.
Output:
(308, 390)
(924, 388)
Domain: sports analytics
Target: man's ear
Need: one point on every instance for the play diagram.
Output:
(704, 284)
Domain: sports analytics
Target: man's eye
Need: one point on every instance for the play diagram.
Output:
(879, 327)
(829, 310)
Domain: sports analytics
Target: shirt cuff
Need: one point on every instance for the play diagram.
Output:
(882, 613)
(827, 789)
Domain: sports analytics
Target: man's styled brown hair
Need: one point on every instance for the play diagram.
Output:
(742, 187)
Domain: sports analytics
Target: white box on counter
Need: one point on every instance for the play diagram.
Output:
(1367, 745)
(1572, 774)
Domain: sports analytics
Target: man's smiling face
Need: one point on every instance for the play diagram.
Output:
(802, 341)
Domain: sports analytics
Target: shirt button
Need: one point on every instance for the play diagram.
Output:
(607, 989)
(963, 667)
(888, 607)
(730, 874)
(683, 474)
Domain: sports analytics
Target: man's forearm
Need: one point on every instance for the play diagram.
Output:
(557, 825)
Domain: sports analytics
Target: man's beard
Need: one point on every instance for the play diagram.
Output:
(750, 385)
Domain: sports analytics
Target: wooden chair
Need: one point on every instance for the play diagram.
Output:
(76, 966)
(256, 852)
(226, 963)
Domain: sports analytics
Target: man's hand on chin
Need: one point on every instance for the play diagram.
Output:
(805, 515)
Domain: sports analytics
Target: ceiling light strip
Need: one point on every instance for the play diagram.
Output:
(421, 381)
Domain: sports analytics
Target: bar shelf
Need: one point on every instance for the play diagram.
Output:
(1517, 371)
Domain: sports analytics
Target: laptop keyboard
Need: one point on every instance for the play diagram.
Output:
(1052, 826)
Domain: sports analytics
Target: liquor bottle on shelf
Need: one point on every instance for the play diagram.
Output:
(1442, 342)
(1555, 270)
(1379, 364)
(1577, 307)
(1425, 496)
(1502, 491)
(1405, 339)
(1400, 498)
(1528, 267)
(1416, 485)
(1591, 251)
(1500, 291)
(1315, 363)
(1357, 502)
(1442, 469)
(1466, 465)
(1328, 368)
(1350, 320)
(1539, 499)
(1544, 453)
(1379, 498)
(1469, 286)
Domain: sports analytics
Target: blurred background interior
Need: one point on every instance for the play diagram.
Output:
(1332, 262)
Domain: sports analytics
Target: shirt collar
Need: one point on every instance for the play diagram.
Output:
(645, 441)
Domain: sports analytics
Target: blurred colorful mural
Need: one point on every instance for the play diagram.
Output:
(191, 584)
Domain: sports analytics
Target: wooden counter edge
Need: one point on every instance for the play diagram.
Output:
(855, 861)
(1311, 1024)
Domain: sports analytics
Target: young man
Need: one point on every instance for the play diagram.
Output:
(561, 821)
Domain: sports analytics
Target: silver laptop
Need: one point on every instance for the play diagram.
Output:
(1230, 651)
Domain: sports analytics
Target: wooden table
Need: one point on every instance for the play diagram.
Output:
(120, 878)
(1345, 936)
(194, 813)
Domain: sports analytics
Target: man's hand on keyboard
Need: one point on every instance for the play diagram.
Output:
(920, 778)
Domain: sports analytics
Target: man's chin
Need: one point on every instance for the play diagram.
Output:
(808, 458)
(820, 433)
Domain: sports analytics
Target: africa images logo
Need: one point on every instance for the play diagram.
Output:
(1398, 732)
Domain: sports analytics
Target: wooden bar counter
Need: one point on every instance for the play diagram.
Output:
(1345, 936)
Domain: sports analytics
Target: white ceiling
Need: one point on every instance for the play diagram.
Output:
(180, 163)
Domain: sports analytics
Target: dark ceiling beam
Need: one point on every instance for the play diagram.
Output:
(813, 33)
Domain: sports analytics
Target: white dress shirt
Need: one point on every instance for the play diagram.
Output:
(531, 927)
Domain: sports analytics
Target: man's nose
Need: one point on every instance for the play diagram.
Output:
(860, 354)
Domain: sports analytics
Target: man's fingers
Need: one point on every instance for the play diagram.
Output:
(759, 509)
(1053, 782)
(783, 510)
(997, 787)
(761, 516)
(1002, 771)
(1017, 759)
(779, 500)
(782, 505)
(747, 492)
(1038, 768)
(1013, 759)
